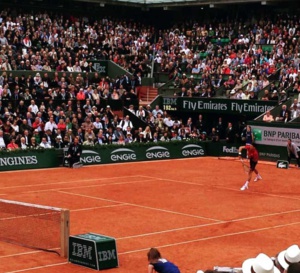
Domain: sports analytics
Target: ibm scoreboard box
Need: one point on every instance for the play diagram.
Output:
(93, 250)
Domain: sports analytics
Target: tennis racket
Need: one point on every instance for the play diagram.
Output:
(77, 165)
(245, 166)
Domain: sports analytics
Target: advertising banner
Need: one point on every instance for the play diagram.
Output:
(225, 106)
(93, 250)
(168, 150)
(275, 136)
(222, 149)
(22, 160)
(272, 153)
(248, 107)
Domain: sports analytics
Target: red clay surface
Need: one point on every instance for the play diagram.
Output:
(192, 210)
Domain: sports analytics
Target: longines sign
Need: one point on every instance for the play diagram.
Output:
(28, 160)
(18, 160)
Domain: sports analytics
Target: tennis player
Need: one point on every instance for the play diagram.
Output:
(252, 155)
(159, 264)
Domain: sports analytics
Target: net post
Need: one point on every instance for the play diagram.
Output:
(64, 232)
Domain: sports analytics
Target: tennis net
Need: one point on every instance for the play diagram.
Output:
(34, 226)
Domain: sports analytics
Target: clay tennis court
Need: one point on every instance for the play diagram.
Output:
(192, 210)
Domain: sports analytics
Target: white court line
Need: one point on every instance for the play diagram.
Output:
(222, 187)
(68, 182)
(37, 267)
(23, 253)
(141, 176)
(211, 238)
(174, 244)
(102, 207)
(141, 206)
(209, 224)
(26, 253)
(89, 186)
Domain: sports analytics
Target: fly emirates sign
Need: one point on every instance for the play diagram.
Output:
(226, 106)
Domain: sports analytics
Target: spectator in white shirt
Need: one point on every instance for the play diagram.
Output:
(2, 142)
(250, 87)
(23, 145)
(156, 111)
(33, 107)
(45, 144)
(125, 123)
(240, 95)
(157, 59)
(141, 113)
(50, 125)
(295, 111)
(97, 124)
(131, 109)
(3, 40)
(168, 121)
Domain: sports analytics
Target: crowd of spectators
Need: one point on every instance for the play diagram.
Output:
(44, 43)
(49, 126)
(286, 114)
(248, 51)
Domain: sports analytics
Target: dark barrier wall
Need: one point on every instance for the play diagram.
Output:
(28, 159)
(272, 153)
(35, 159)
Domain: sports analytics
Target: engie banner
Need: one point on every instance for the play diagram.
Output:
(168, 150)
(275, 136)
